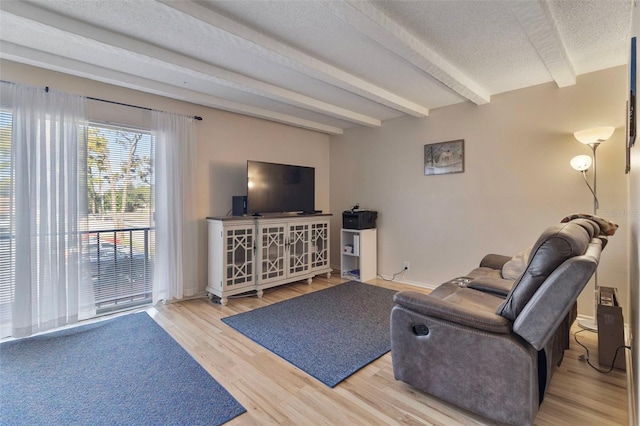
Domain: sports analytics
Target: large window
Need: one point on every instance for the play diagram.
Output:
(119, 243)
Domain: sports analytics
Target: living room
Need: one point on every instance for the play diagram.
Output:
(516, 181)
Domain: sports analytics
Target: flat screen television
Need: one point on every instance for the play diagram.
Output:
(278, 188)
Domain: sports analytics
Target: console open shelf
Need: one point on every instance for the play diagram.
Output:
(358, 258)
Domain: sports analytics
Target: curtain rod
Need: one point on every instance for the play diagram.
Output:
(195, 117)
(46, 89)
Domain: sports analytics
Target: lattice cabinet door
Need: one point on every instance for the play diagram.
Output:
(299, 248)
(255, 254)
(239, 257)
(272, 252)
(319, 245)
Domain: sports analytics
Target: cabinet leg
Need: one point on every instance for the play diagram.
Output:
(224, 300)
(309, 280)
(259, 293)
(328, 275)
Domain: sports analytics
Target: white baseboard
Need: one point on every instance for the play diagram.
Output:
(631, 394)
(415, 283)
(631, 390)
(336, 269)
(586, 318)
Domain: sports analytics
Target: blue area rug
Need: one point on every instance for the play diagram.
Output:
(125, 371)
(329, 334)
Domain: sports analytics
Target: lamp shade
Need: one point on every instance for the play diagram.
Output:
(581, 162)
(594, 135)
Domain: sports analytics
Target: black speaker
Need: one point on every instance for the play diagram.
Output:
(239, 205)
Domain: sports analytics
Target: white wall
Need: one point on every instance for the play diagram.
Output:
(225, 140)
(517, 179)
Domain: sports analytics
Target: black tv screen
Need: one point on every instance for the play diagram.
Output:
(276, 188)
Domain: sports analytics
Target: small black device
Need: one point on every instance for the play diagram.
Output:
(239, 205)
(359, 219)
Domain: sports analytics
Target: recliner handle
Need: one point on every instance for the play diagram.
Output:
(420, 329)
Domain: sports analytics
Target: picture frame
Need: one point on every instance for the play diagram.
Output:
(631, 107)
(627, 149)
(444, 157)
(632, 124)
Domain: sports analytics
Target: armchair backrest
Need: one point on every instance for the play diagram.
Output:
(557, 244)
(550, 304)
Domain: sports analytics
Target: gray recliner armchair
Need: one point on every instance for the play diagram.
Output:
(489, 344)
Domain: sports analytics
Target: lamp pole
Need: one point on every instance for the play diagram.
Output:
(594, 146)
(593, 324)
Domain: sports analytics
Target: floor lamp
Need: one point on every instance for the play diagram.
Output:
(593, 138)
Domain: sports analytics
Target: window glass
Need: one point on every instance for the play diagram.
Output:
(119, 244)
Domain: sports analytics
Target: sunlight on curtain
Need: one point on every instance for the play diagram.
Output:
(175, 273)
(47, 211)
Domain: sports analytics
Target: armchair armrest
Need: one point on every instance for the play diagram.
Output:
(494, 285)
(494, 261)
(462, 306)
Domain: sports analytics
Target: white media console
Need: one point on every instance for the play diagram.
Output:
(255, 253)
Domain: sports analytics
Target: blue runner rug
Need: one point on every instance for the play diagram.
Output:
(125, 371)
(330, 334)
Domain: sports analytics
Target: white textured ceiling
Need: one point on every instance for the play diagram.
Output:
(321, 65)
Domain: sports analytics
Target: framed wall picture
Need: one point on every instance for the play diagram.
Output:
(632, 124)
(631, 106)
(444, 157)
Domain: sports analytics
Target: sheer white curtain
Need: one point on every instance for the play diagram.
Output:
(175, 273)
(48, 162)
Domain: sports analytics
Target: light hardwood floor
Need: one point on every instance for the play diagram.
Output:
(275, 392)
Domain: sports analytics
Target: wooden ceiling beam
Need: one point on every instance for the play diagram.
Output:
(541, 29)
(370, 21)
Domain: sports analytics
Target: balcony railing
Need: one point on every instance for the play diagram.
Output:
(119, 261)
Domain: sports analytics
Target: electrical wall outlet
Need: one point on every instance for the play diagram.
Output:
(406, 265)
